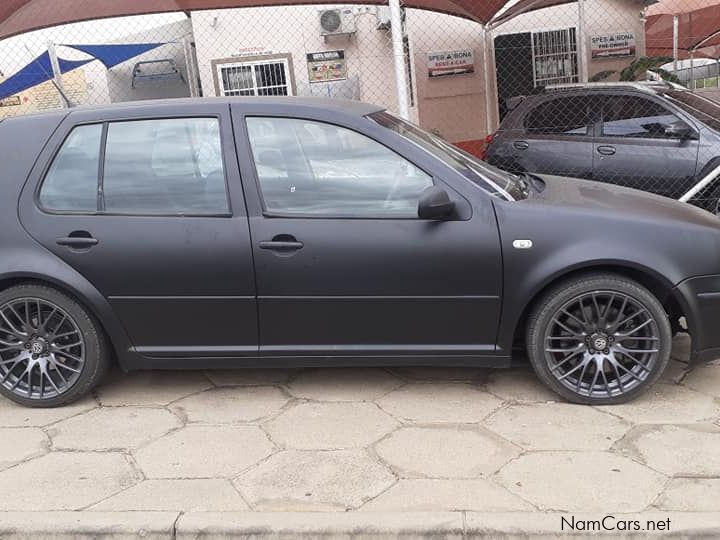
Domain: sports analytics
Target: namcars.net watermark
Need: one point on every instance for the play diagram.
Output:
(613, 523)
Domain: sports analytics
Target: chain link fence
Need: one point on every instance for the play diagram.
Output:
(560, 90)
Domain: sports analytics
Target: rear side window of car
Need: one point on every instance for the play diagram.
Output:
(171, 166)
(71, 183)
(151, 167)
(569, 115)
(630, 116)
(323, 170)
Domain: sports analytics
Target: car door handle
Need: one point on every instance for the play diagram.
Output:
(521, 145)
(606, 150)
(78, 239)
(282, 242)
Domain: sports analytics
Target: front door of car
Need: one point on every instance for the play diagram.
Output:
(344, 266)
(140, 206)
(634, 148)
(556, 138)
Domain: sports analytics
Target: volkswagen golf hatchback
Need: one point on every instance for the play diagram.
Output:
(229, 233)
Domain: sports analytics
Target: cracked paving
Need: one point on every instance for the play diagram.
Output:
(410, 439)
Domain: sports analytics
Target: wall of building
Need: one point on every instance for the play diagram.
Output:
(601, 17)
(295, 30)
(453, 106)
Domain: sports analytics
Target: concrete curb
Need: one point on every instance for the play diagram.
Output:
(341, 525)
(71, 525)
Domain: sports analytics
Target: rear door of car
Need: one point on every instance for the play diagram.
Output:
(554, 136)
(345, 268)
(632, 148)
(146, 203)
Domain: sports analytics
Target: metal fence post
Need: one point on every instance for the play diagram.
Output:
(396, 27)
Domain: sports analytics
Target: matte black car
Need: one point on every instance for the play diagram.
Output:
(651, 136)
(286, 232)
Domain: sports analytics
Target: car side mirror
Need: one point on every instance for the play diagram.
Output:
(435, 203)
(678, 130)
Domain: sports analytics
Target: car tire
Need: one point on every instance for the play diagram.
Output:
(50, 331)
(586, 345)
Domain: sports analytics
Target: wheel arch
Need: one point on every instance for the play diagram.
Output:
(673, 302)
(85, 295)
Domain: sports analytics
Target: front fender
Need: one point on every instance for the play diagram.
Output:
(559, 250)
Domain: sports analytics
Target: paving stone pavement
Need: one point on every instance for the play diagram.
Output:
(372, 440)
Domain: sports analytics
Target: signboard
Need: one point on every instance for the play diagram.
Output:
(449, 63)
(613, 45)
(252, 51)
(327, 66)
(12, 101)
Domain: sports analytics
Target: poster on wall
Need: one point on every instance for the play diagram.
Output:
(449, 63)
(616, 45)
(327, 66)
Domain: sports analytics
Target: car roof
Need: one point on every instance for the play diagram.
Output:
(349, 107)
(650, 87)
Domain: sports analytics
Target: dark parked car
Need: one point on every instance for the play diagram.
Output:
(651, 136)
(263, 232)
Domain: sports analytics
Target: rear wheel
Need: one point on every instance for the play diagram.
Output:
(599, 339)
(52, 351)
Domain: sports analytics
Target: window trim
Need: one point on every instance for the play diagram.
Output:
(601, 123)
(589, 126)
(219, 63)
(295, 215)
(101, 169)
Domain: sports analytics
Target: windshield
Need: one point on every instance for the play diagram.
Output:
(496, 182)
(702, 108)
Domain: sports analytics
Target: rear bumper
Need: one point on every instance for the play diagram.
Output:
(701, 299)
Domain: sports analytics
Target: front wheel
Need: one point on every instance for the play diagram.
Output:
(599, 339)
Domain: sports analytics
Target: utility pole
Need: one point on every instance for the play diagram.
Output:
(398, 44)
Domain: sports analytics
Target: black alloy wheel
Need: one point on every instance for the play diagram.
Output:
(51, 350)
(599, 339)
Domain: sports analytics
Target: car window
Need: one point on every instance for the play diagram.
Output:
(631, 116)
(569, 115)
(168, 166)
(319, 169)
(704, 109)
(71, 184)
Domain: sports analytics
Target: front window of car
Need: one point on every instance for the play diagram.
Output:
(321, 170)
(498, 183)
(702, 108)
(635, 117)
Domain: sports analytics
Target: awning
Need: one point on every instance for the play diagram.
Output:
(36, 72)
(40, 69)
(698, 28)
(19, 16)
(114, 54)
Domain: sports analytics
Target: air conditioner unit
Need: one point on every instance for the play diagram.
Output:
(335, 22)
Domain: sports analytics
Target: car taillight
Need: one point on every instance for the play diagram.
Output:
(488, 141)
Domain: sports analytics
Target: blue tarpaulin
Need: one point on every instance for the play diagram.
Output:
(36, 72)
(112, 55)
(40, 69)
